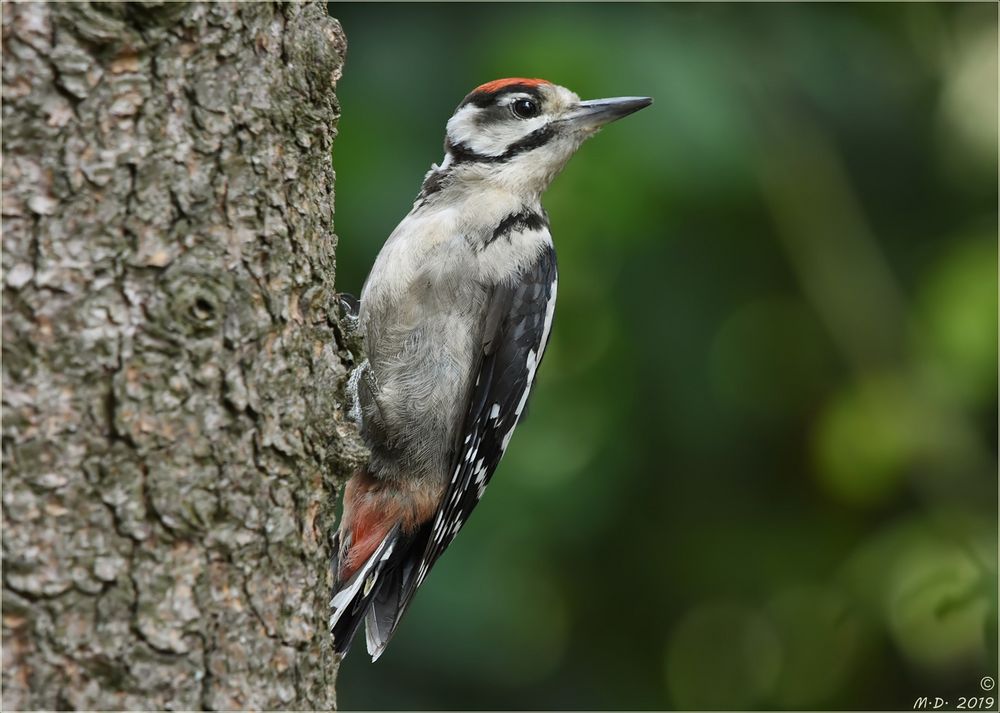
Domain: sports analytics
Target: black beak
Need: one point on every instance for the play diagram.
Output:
(596, 113)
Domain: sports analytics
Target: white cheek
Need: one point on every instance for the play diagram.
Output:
(461, 126)
(489, 140)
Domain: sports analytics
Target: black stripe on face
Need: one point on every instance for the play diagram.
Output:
(525, 220)
(460, 153)
(537, 138)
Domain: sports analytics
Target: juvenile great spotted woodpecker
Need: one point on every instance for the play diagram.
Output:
(454, 317)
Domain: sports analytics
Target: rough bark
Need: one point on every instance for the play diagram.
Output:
(172, 434)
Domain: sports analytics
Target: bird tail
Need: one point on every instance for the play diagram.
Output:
(378, 593)
(394, 591)
(352, 599)
(374, 565)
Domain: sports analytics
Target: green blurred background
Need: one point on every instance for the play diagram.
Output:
(759, 468)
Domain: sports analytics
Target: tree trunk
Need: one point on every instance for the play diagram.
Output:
(172, 369)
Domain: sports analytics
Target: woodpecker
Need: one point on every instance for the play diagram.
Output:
(454, 318)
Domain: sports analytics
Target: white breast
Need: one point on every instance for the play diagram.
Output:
(444, 243)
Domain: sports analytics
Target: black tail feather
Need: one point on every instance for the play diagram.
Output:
(352, 598)
(389, 582)
(347, 626)
(394, 591)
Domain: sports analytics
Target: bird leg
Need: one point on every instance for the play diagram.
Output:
(363, 377)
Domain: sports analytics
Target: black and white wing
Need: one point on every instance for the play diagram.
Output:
(515, 335)
(517, 332)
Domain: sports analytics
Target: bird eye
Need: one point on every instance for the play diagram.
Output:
(524, 108)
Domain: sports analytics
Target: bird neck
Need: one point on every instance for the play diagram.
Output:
(455, 180)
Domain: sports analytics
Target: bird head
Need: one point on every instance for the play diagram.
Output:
(517, 134)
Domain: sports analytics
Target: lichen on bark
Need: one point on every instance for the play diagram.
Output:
(173, 433)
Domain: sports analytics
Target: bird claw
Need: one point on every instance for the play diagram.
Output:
(363, 374)
(350, 308)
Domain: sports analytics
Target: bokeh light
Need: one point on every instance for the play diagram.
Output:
(759, 468)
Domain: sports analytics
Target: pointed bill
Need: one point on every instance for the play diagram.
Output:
(598, 112)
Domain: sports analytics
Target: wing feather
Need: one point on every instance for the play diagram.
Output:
(515, 334)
